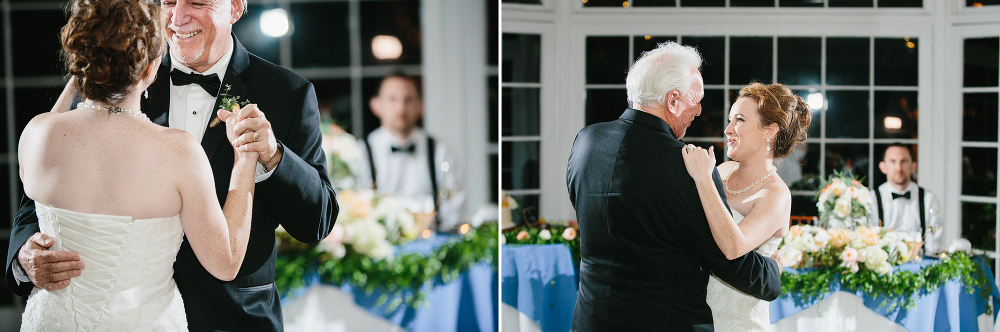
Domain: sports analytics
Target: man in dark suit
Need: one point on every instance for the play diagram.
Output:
(292, 190)
(647, 250)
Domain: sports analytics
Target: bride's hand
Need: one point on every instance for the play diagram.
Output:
(699, 162)
(231, 135)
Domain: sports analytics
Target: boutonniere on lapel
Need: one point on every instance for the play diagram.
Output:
(229, 103)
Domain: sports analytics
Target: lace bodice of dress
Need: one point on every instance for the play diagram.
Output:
(733, 310)
(127, 283)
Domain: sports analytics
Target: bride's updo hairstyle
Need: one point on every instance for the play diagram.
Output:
(109, 44)
(777, 104)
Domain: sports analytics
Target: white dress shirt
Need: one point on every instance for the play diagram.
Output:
(405, 175)
(191, 107)
(903, 214)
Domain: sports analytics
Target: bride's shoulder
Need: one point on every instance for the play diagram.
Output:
(177, 141)
(776, 188)
(727, 167)
(42, 124)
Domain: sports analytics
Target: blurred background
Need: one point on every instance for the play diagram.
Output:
(920, 72)
(344, 47)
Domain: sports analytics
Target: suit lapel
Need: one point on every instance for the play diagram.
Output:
(238, 79)
(157, 106)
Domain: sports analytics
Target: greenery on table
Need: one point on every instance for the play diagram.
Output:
(896, 289)
(556, 237)
(393, 276)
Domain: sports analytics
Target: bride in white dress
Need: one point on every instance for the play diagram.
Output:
(120, 190)
(765, 123)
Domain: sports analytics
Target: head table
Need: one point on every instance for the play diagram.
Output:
(468, 303)
(539, 293)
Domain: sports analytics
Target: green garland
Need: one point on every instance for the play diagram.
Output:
(809, 286)
(896, 290)
(395, 276)
(510, 238)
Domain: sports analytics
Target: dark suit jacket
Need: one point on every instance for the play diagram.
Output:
(298, 196)
(646, 245)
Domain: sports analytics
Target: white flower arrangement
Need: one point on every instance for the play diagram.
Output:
(865, 248)
(843, 202)
(344, 157)
(370, 224)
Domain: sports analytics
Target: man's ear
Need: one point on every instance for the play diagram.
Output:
(913, 167)
(375, 106)
(671, 99)
(238, 8)
(882, 167)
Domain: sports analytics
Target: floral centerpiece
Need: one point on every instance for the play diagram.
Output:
(843, 202)
(863, 249)
(343, 156)
(361, 248)
(370, 224)
(863, 259)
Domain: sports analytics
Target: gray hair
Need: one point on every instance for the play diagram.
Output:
(659, 71)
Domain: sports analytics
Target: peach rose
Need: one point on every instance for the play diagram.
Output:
(839, 237)
(849, 255)
(796, 231)
(871, 238)
(569, 234)
(522, 235)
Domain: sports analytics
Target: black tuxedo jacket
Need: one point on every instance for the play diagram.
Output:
(297, 196)
(647, 250)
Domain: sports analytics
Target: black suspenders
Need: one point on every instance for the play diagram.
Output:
(878, 198)
(920, 199)
(431, 168)
(371, 164)
(923, 217)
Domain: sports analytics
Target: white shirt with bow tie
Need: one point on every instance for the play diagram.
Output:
(191, 107)
(405, 174)
(903, 214)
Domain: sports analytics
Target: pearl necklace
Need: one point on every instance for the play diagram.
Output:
(725, 183)
(112, 109)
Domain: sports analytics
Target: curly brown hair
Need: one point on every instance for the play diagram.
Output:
(109, 44)
(777, 104)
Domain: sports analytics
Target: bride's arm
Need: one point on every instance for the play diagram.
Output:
(218, 237)
(735, 240)
(65, 101)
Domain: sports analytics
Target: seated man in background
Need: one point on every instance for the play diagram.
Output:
(903, 205)
(401, 159)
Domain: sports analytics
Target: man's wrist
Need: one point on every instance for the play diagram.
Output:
(19, 274)
(270, 164)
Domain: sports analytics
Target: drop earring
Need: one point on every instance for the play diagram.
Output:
(768, 146)
(145, 94)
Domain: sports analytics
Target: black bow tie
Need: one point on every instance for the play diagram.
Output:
(210, 83)
(408, 149)
(906, 195)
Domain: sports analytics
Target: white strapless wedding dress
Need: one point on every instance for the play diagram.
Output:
(733, 310)
(127, 284)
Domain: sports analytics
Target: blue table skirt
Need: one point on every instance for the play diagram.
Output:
(947, 308)
(468, 303)
(540, 282)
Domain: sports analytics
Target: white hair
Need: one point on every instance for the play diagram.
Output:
(659, 71)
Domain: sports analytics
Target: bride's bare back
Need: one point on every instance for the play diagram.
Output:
(97, 162)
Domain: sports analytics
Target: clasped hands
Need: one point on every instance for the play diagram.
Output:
(249, 131)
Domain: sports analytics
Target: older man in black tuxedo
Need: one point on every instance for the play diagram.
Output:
(205, 64)
(646, 245)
